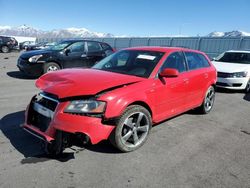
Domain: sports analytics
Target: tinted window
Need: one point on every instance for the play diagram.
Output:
(77, 47)
(175, 60)
(196, 60)
(203, 60)
(60, 46)
(122, 59)
(235, 57)
(131, 62)
(105, 46)
(94, 47)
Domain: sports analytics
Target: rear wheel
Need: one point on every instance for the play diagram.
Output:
(5, 49)
(132, 129)
(208, 101)
(49, 67)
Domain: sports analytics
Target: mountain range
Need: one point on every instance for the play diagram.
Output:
(27, 31)
(229, 34)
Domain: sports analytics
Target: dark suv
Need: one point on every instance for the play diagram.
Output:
(7, 44)
(66, 54)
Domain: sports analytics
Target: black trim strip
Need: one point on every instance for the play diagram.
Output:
(35, 134)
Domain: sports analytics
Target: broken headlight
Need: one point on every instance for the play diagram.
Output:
(86, 106)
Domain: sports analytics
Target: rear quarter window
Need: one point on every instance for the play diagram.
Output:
(93, 46)
(196, 60)
(105, 46)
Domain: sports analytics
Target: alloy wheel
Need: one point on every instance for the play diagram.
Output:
(209, 100)
(5, 49)
(135, 129)
(52, 68)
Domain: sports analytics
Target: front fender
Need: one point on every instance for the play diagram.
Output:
(116, 103)
(116, 108)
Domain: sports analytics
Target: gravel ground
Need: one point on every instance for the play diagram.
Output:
(187, 151)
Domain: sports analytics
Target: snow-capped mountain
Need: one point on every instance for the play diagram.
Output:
(61, 33)
(228, 34)
(27, 31)
(20, 31)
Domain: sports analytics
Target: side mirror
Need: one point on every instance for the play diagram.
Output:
(169, 73)
(67, 51)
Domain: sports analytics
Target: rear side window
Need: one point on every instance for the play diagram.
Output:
(196, 60)
(175, 60)
(93, 46)
(77, 47)
(105, 46)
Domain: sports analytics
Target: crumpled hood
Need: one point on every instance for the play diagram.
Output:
(80, 82)
(230, 67)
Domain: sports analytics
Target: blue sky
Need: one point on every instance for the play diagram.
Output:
(130, 17)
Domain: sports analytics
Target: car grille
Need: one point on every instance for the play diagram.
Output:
(21, 62)
(221, 84)
(227, 85)
(41, 111)
(224, 75)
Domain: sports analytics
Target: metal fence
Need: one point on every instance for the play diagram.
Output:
(212, 46)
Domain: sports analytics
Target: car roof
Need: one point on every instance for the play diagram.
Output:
(79, 40)
(239, 51)
(5, 36)
(163, 49)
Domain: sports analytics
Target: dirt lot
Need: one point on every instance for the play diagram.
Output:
(187, 151)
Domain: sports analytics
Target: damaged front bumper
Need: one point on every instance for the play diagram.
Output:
(45, 115)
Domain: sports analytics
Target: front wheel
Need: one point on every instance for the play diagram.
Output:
(132, 129)
(49, 67)
(5, 49)
(208, 101)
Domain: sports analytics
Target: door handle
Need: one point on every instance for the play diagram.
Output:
(206, 75)
(83, 55)
(186, 80)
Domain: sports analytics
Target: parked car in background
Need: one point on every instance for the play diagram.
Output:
(120, 97)
(7, 44)
(24, 45)
(39, 46)
(233, 69)
(66, 54)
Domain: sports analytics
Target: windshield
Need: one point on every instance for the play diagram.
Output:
(60, 46)
(131, 62)
(234, 57)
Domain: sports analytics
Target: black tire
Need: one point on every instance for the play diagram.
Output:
(208, 101)
(247, 89)
(5, 49)
(132, 129)
(55, 148)
(49, 67)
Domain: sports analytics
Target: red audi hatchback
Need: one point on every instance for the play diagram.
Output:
(120, 98)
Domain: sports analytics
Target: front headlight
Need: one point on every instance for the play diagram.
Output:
(239, 74)
(85, 106)
(34, 58)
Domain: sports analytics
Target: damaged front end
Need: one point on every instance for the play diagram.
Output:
(55, 121)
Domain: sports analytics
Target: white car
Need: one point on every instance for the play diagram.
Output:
(233, 70)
